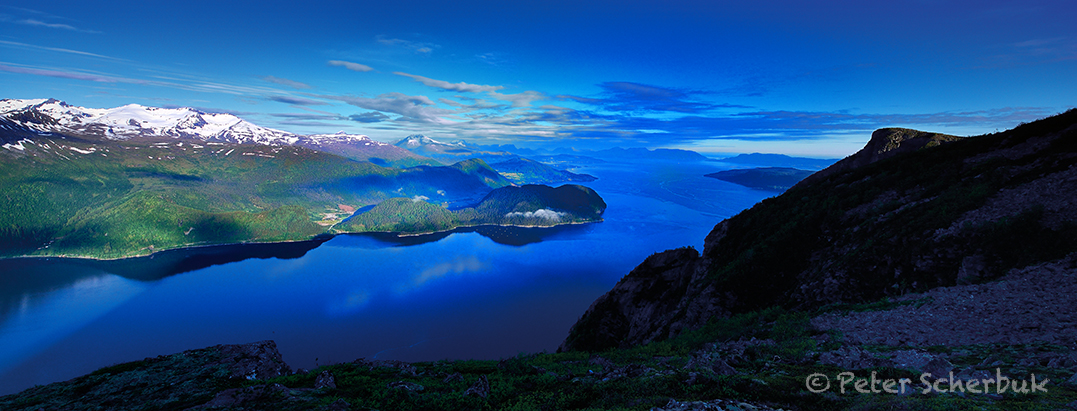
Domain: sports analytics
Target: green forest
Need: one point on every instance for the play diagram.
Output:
(112, 199)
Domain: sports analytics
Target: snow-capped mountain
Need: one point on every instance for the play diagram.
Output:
(26, 119)
(133, 120)
(418, 140)
(426, 146)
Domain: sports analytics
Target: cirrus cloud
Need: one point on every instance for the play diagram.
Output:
(418, 47)
(445, 85)
(351, 66)
(81, 53)
(39, 23)
(286, 82)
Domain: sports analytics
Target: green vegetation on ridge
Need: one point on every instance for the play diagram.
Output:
(110, 199)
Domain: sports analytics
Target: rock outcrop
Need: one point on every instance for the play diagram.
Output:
(649, 294)
(884, 143)
(179, 380)
(905, 214)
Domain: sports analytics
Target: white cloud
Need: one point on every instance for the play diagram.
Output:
(461, 87)
(419, 198)
(541, 213)
(476, 104)
(351, 66)
(416, 108)
(519, 99)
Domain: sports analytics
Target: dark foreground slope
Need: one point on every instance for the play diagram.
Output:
(911, 212)
(253, 377)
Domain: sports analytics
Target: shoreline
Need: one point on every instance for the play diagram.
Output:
(398, 234)
(320, 237)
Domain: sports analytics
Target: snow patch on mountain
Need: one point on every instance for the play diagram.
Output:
(16, 145)
(341, 137)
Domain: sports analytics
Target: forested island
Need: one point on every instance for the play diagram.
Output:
(530, 205)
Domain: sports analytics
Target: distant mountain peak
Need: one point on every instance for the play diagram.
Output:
(419, 140)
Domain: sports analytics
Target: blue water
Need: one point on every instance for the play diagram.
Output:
(454, 296)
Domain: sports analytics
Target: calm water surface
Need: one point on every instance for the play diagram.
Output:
(484, 294)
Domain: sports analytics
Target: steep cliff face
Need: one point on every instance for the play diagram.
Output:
(907, 213)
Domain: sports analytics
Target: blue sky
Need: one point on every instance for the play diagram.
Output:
(718, 77)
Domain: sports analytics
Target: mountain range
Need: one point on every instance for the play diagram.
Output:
(133, 120)
(133, 180)
(779, 160)
(763, 178)
(22, 119)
